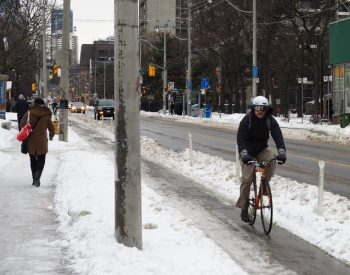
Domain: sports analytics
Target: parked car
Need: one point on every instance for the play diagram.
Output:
(104, 108)
(78, 107)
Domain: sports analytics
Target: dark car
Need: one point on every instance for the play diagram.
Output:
(104, 108)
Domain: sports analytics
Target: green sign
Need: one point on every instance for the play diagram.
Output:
(339, 42)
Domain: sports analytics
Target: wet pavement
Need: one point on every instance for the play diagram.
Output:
(28, 236)
(256, 253)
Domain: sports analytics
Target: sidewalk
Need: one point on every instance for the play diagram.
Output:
(28, 233)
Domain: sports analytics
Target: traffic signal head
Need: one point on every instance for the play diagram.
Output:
(34, 87)
(55, 69)
(151, 70)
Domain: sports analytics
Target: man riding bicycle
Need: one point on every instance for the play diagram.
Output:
(252, 140)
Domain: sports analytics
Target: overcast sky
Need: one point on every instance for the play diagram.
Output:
(93, 19)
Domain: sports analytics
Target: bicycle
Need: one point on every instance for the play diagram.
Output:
(263, 199)
(315, 119)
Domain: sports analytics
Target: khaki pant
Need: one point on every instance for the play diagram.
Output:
(248, 175)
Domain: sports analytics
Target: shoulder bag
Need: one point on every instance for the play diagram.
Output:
(24, 145)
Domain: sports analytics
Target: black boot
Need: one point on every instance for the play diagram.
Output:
(33, 179)
(36, 178)
(244, 215)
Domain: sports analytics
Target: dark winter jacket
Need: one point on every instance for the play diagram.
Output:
(40, 119)
(21, 108)
(253, 133)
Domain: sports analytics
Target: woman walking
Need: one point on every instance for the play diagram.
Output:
(40, 119)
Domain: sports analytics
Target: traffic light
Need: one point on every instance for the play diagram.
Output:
(34, 87)
(55, 69)
(151, 70)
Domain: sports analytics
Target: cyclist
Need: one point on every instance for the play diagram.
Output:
(252, 140)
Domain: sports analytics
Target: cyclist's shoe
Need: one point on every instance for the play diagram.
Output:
(244, 215)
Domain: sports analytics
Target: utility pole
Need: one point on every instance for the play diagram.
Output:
(44, 78)
(165, 75)
(254, 68)
(189, 64)
(128, 218)
(95, 79)
(104, 79)
(64, 83)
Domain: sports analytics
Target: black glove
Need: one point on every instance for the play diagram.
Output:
(282, 155)
(245, 157)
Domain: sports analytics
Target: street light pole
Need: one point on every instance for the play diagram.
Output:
(104, 79)
(44, 79)
(254, 69)
(189, 64)
(128, 207)
(165, 75)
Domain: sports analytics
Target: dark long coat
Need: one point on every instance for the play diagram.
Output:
(21, 108)
(40, 119)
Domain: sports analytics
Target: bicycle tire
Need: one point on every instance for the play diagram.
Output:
(251, 206)
(266, 207)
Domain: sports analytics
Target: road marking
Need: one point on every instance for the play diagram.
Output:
(315, 159)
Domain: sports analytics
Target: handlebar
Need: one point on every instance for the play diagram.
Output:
(264, 163)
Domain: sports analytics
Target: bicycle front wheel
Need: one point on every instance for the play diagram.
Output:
(252, 202)
(266, 207)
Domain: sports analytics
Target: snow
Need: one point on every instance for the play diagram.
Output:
(84, 203)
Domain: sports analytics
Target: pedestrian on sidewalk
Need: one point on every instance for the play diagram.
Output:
(40, 119)
(21, 108)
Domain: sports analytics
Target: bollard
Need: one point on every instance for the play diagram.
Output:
(321, 165)
(190, 145)
(238, 165)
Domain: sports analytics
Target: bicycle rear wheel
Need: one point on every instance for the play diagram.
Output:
(251, 206)
(266, 209)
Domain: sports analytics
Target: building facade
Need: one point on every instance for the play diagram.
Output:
(158, 15)
(339, 58)
(96, 69)
(56, 37)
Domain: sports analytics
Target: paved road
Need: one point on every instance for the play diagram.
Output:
(303, 156)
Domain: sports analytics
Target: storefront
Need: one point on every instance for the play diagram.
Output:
(339, 58)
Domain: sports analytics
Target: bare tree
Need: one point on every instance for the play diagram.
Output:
(20, 41)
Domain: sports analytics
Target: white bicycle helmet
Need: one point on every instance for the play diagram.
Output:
(260, 101)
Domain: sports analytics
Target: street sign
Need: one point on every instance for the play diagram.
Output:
(204, 82)
(325, 78)
(299, 80)
(257, 80)
(304, 80)
(330, 78)
(255, 71)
